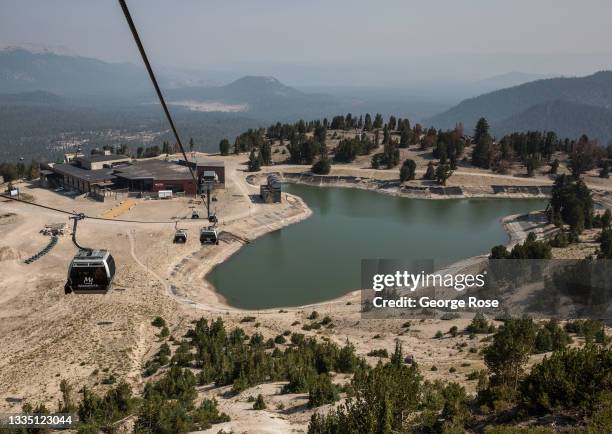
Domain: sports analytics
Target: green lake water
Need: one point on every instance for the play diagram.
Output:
(320, 258)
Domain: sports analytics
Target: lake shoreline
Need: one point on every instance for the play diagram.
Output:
(514, 227)
(430, 192)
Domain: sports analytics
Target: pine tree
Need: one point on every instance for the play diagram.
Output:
(34, 170)
(510, 350)
(266, 153)
(481, 130)
(254, 164)
(391, 156)
(321, 167)
(554, 167)
(386, 135)
(397, 358)
(260, 404)
(430, 174)
(405, 138)
(407, 171)
(605, 170)
(481, 156)
(367, 126)
(224, 147)
(378, 121)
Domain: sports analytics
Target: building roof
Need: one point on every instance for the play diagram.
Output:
(154, 169)
(83, 174)
(202, 162)
(103, 158)
(210, 163)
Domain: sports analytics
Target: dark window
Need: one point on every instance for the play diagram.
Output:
(111, 265)
(89, 278)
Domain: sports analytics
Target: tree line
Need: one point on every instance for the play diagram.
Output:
(11, 172)
(306, 145)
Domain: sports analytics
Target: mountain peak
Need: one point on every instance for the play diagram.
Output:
(261, 84)
(259, 79)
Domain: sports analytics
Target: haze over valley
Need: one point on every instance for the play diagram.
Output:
(51, 101)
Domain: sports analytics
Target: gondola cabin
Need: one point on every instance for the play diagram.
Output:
(209, 235)
(91, 272)
(180, 236)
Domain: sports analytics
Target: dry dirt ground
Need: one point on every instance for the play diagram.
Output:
(46, 336)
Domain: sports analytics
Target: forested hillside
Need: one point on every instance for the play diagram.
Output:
(567, 119)
(509, 106)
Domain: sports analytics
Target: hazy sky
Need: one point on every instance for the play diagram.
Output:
(336, 41)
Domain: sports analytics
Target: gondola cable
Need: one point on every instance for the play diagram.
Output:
(145, 59)
(72, 213)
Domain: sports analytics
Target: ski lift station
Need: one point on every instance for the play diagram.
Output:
(98, 173)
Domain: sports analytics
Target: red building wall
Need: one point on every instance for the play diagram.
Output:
(188, 186)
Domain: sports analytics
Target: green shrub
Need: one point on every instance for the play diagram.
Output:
(381, 399)
(207, 414)
(297, 338)
(158, 322)
(99, 411)
(259, 404)
(379, 353)
(551, 337)
(509, 351)
(480, 324)
(321, 167)
(591, 330)
(314, 315)
(326, 320)
(322, 391)
(571, 378)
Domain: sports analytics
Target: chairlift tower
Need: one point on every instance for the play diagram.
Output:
(207, 185)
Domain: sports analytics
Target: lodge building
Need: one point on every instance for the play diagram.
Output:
(97, 173)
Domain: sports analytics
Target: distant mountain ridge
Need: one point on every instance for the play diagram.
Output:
(25, 71)
(505, 107)
(245, 89)
(34, 97)
(509, 79)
